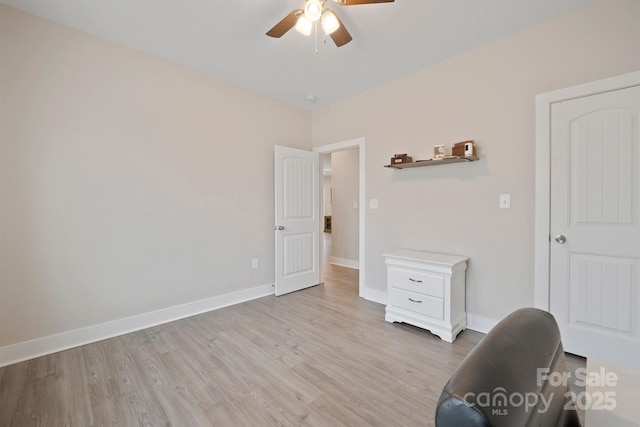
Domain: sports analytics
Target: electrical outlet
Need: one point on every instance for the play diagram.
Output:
(255, 263)
(373, 204)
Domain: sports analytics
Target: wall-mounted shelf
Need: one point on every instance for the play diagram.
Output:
(421, 163)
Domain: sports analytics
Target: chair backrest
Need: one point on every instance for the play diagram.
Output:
(505, 379)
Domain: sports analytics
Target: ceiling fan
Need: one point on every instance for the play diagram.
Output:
(317, 11)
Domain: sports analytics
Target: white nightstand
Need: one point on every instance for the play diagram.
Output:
(427, 290)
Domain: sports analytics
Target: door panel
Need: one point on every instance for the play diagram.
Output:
(602, 156)
(297, 193)
(600, 292)
(298, 253)
(595, 193)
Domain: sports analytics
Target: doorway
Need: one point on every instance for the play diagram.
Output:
(359, 144)
(340, 191)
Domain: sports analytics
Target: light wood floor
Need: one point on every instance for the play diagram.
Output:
(320, 357)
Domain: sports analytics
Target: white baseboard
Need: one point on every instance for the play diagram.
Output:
(345, 262)
(26, 350)
(375, 295)
(479, 323)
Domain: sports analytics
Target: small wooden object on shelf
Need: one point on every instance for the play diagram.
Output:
(400, 158)
(459, 149)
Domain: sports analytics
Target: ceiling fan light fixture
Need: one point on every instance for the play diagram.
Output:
(303, 25)
(313, 10)
(330, 22)
(306, 20)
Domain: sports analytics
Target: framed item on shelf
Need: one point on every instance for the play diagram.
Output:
(438, 152)
(469, 149)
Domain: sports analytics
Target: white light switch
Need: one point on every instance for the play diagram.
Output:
(505, 201)
(373, 203)
(355, 205)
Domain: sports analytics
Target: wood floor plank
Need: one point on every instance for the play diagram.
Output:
(12, 383)
(71, 396)
(99, 382)
(135, 398)
(317, 357)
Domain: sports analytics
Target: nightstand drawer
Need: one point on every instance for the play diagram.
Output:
(423, 283)
(418, 303)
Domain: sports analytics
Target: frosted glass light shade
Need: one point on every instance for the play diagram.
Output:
(303, 25)
(313, 10)
(330, 22)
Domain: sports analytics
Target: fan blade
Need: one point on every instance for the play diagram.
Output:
(287, 23)
(341, 36)
(355, 2)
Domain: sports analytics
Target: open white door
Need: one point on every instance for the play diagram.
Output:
(297, 194)
(595, 225)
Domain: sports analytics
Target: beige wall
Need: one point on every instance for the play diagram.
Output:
(127, 184)
(345, 218)
(487, 95)
(326, 195)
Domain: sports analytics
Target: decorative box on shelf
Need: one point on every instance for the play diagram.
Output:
(400, 158)
(427, 290)
(464, 148)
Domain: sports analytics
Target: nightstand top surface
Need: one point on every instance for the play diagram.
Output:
(427, 257)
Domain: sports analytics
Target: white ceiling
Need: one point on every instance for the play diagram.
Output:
(226, 38)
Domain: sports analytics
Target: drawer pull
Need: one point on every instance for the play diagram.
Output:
(415, 300)
(414, 280)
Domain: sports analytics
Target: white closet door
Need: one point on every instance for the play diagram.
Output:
(595, 225)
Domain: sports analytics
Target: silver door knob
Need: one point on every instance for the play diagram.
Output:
(560, 238)
(279, 228)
